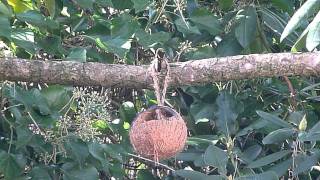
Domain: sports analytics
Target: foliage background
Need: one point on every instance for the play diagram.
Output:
(254, 129)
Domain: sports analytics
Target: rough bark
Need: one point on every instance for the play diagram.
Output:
(193, 72)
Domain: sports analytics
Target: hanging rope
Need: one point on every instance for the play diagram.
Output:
(160, 73)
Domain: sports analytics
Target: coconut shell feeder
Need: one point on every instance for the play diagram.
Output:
(159, 132)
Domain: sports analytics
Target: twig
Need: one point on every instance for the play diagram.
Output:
(151, 161)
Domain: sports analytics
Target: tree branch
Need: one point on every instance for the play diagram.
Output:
(193, 72)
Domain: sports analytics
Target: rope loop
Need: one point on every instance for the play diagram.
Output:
(160, 73)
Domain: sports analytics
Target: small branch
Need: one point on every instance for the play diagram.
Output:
(194, 72)
(152, 162)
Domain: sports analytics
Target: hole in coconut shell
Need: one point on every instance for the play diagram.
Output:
(160, 113)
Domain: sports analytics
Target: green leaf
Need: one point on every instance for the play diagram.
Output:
(140, 5)
(85, 3)
(72, 172)
(152, 40)
(301, 42)
(302, 13)
(124, 27)
(78, 54)
(127, 111)
(262, 176)
(195, 175)
(305, 162)
(5, 29)
(122, 5)
(268, 159)
(98, 152)
(205, 20)
(251, 153)
(202, 112)
(185, 27)
(226, 112)
(285, 5)
(203, 139)
(10, 166)
(145, 174)
(40, 172)
(216, 157)
(225, 4)
(20, 6)
(278, 136)
(189, 156)
(24, 136)
(51, 6)
(229, 46)
(4, 10)
(57, 97)
(246, 28)
(37, 19)
(118, 46)
(313, 37)
(281, 168)
(24, 38)
(201, 53)
(77, 149)
(273, 119)
(52, 45)
(277, 22)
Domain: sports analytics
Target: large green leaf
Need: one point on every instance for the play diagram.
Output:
(262, 176)
(277, 22)
(185, 27)
(281, 168)
(10, 165)
(72, 172)
(205, 20)
(216, 157)
(85, 3)
(278, 136)
(145, 174)
(24, 38)
(225, 4)
(251, 153)
(286, 5)
(78, 54)
(40, 172)
(313, 37)
(124, 26)
(51, 44)
(140, 5)
(78, 149)
(226, 113)
(202, 112)
(301, 14)
(246, 28)
(98, 152)
(268, 159)
(305, 162)
(273, 119)
(5, 29)
(118, 46)
(51, 6)
(194, 175)
(24, 136)
(127, 111)
(37, 19)
(151, 40)
(4, 10)
(57, 97)
(229, 46)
